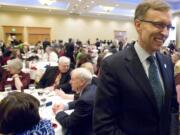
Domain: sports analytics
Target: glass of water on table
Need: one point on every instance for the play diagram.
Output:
(8, 87)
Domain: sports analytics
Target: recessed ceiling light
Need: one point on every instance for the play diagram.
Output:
(47, 2)
(92, 1)
(87, 6)
(106, 8)
(79, 0)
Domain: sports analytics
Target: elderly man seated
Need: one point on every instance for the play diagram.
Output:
(78, 122)
(57, 77)
(74, 96)
(14, 77)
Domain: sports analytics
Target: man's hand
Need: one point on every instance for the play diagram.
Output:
(15, 76)
(50, 88)
(57, 108)
(60, 93)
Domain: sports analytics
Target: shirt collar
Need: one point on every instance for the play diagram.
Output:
(142, 54)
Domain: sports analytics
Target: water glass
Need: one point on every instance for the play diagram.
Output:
(8, 87)
(31, 86)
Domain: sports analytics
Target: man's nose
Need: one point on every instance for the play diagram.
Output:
(165, 32)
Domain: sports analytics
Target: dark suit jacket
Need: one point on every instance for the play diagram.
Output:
(80, 121)
(125, 102)
(49, 78)
(69, 50)
(45, 44)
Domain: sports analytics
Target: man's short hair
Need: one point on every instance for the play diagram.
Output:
(83, 74)
(19, 112)
(142, 8)
(64, 59)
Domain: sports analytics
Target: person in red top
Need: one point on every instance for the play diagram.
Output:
(14, 77)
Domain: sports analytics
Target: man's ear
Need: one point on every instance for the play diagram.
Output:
(137, 24)
(82, 82)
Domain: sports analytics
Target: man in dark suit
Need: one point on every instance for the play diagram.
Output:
(136, 93)
(57, 77)
(46, 43)
(69, 50)
(78, 122)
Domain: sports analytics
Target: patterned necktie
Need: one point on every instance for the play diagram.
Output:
(155, 81)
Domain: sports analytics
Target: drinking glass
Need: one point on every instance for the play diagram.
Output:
(31, 86)
(8, 87)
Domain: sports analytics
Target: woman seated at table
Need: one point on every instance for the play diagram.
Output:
(14, 77)
(20, 116)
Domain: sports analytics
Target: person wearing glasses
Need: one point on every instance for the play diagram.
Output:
(136, 92)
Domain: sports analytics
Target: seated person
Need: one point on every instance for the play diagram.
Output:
(14, 76)
(57, 77)
(74, 96)
(6, 56)
(83, 58)
(50, 55)
(89, 66)
(20, 116)
(78, 122)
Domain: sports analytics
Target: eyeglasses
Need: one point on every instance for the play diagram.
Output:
(160, 25)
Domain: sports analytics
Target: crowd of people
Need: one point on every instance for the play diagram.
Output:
(116, 88)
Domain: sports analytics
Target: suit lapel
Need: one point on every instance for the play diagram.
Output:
(135, 68)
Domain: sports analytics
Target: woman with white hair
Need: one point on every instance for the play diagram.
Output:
(14, 77)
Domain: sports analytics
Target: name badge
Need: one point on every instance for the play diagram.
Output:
(9, 79)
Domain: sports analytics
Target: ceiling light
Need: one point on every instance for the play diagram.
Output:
(79, 0)
(107, 8)
(47, 2)
(87, 6)
(92, 2)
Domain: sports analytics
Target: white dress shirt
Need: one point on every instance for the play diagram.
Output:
(143, 55)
